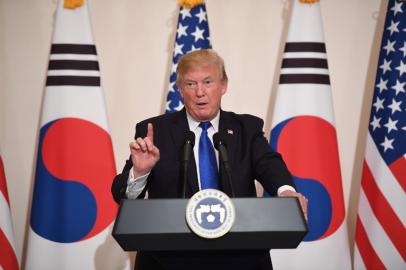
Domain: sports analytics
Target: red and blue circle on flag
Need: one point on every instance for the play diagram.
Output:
(308, 145)
(75, 166)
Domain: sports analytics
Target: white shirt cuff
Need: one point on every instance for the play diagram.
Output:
(284, 188)
(135, 185)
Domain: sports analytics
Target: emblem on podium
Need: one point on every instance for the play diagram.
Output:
(210, 213)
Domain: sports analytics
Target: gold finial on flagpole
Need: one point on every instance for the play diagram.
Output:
(309, 1)
(72, 4)
(190, 3)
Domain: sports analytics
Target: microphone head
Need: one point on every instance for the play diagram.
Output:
(190, 138)
(218, 140)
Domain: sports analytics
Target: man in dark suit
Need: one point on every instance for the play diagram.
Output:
(156, 154)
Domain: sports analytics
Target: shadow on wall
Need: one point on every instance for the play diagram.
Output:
(286, 14)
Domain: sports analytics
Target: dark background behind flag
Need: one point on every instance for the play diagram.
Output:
(135, 44)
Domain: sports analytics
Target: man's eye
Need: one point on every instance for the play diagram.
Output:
(190, 84)
(208, 82)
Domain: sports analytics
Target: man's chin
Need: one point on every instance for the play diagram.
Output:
(202, 116)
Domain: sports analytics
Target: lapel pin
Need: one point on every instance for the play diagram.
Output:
(230, 131)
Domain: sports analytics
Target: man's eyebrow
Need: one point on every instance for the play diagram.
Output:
(205, 78)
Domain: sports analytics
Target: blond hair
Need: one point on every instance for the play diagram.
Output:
(199, 59)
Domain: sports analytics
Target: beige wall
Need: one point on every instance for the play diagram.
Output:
(135, 38)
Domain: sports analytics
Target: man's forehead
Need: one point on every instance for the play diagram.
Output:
(208, 71)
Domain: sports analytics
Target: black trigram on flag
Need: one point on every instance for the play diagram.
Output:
(304, 62)
(73, 64)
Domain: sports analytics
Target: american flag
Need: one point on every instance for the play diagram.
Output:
(380, 227)
(8, 258)
(192, 34)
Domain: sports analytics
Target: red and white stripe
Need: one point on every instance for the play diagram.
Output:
(8, 258)
(380, 234)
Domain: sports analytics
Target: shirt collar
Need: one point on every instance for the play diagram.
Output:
(193, 124)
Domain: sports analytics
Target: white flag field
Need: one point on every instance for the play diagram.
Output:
(72, 207)
(303, 131)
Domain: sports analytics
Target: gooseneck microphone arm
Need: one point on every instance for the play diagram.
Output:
(221, 147)
(187, 153)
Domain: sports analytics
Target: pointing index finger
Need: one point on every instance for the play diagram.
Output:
(150, 132)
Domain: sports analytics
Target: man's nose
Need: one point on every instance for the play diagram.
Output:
(200, 89)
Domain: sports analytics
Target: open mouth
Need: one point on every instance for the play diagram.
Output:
(201, 104)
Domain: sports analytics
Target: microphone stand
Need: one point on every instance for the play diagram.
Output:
(221, 147)
(187, 151)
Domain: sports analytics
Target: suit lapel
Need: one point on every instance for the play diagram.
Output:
(230, 129)
(178, 129)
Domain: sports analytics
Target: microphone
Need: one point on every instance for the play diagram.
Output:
(187, 151)
(221, 147)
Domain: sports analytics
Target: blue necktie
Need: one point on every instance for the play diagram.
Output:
(207, 160)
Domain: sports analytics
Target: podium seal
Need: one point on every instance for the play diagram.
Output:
(210, 213)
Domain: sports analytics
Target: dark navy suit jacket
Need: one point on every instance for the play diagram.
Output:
(250, 157)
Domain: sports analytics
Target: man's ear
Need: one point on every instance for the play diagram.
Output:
(224, 87)
(180, 92)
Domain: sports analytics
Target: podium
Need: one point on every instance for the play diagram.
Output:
(160, 224)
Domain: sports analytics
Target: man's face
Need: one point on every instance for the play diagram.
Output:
(201, 90)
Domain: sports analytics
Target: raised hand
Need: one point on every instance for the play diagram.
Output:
(144, 154)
